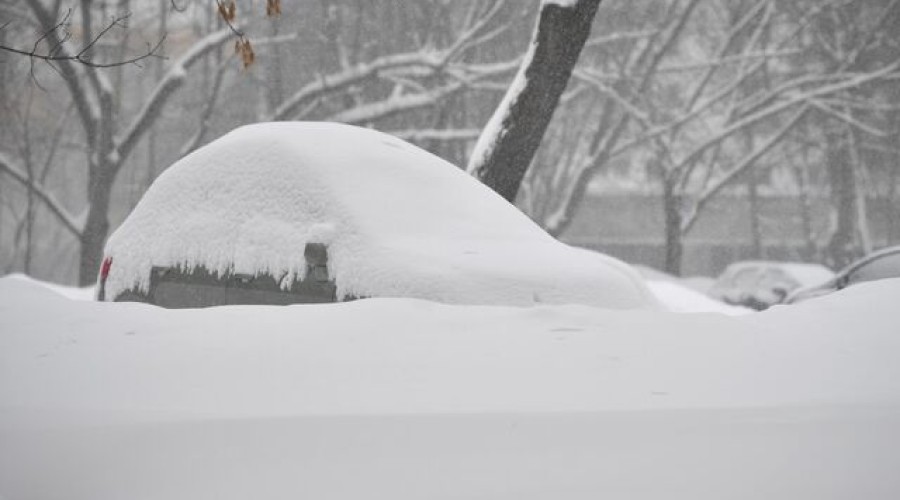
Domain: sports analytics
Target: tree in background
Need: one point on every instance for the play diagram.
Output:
(109, 137)
(507, 144)
(700, 93)
(857, 125)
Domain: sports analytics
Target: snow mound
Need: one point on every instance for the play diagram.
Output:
(70, 292)
(413, 399)
(398, 222)
(679, 298)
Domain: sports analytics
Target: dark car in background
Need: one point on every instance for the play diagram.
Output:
(881, 264)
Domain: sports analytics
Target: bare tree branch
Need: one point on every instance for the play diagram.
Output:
(847, 118)
(203, 127)
(394, 104)
(57, 52)
(420, 63)
(849, 83)
(68, 221)
(446, 134)
(88, 110)
(742, 166)
(173, 79)
(332, 83)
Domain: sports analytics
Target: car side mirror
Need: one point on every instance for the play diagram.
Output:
(316, 255)
(842, 282)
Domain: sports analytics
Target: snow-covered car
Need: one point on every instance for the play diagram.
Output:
(292, 212)
(881, 264)
(759, 284)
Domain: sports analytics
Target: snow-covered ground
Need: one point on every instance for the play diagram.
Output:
(71, 292)
(401, 398)
(677, 297)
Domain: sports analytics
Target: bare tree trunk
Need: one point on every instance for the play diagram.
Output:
(674, 237)
(508, 143)
(29, 220)
(95, 229)
(27, 156)
(756, 248)
(858, 169)
(806, 210)
(893, 218)
(839, 251)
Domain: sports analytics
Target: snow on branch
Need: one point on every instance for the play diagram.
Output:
(562, 3)
(422, 63)
(595, 41)
(761, 111)
(414, 64)
(394, 104)
(203, 128)
(446, 134)
(172, 80)
(331, 83)
(802, 97)
(464, 76)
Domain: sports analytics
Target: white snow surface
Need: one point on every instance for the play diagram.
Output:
(403, 398)
(561, 3)
(398, 222)
(679, 298)
(71, 292)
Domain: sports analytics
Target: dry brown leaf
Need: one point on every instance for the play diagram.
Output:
(227, 11)
(247, 55)
(223, 11)
(273, 7)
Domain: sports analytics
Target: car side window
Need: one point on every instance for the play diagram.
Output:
(886, 266)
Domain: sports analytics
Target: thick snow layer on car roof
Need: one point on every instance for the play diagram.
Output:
(398, 222)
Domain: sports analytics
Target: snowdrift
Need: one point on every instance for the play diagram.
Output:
(400, 398)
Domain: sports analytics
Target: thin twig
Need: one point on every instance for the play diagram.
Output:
(56, 52)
